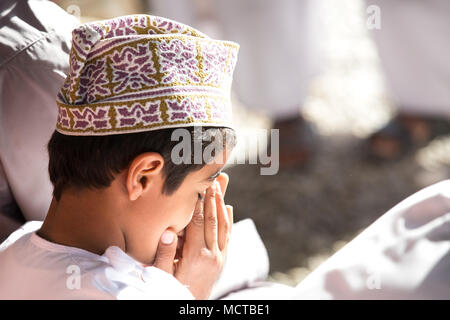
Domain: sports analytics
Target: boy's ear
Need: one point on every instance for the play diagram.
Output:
(141, 173)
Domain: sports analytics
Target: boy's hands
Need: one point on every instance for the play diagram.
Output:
(206, 240)
(205, 243)
(166, 251)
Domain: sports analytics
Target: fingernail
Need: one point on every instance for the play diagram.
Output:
(167, 237)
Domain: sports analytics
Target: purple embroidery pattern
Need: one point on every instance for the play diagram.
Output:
(75, 67)
(231, 63)
(165, 26)
(85, 37)
(132, 68)
(146, 114)
(187, 107)
(219, 110)
(141, 24)
(92, 83)
(146, 72)
(178, 60)
(63, 118)
(91, 119)
(214, 62)
(124, 26)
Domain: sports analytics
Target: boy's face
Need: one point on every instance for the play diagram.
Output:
(154, 212)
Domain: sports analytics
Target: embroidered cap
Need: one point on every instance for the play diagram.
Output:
(140, 73)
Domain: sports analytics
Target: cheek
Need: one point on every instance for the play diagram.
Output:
(183, 207)
(184, 212)
(189, 210)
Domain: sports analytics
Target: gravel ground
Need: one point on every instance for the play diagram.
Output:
(303, 216)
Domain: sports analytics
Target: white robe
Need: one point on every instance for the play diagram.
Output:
(405, 254)
(35, 38)
(414, 46)
(278, 47)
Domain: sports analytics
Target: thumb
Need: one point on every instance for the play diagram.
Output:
(165, 254)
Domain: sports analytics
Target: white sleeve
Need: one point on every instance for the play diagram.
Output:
(164, 285)
(247, 261)
(124, 278)
(150, 283)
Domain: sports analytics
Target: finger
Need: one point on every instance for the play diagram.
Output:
(223, 180)
(210, 213)
(222, 220)
(195, 234)
(165, 254)
(230, 217)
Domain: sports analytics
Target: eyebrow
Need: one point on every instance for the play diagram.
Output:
(215, 175)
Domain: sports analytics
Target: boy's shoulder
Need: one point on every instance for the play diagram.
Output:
(33, 268)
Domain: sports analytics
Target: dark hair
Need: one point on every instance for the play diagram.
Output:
(93, 161)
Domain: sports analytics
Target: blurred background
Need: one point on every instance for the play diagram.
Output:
(305, 213)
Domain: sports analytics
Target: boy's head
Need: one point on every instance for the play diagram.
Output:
(134, 80)
(136, 173)
(93, 162)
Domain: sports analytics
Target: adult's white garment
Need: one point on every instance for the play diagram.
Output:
(405, 254)
(414, 46)
(35, 39)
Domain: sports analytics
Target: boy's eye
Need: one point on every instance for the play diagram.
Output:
(200, 196)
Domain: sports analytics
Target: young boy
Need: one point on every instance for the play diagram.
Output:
(127, 220)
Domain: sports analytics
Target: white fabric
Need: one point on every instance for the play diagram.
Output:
(34, 45)
(405, 254)
(279, 52)
(414, 47)
(247, 261)
(34, 268)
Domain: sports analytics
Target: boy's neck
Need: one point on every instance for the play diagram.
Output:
(89, 221)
